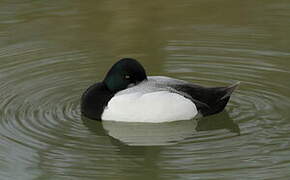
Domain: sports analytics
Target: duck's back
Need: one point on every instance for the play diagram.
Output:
(208, 100)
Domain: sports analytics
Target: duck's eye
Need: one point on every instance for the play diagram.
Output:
(127, 76)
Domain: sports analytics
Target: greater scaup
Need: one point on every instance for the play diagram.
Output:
(127, 94)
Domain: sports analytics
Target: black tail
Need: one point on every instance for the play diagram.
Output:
(230, 89)
(219, 102)
(209, 100)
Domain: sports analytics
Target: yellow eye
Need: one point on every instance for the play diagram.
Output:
(127, 77)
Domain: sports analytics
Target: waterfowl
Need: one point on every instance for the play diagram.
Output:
(128, 94)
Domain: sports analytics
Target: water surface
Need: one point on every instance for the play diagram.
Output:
(51, 51)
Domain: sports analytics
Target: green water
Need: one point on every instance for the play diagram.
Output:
(51, 51)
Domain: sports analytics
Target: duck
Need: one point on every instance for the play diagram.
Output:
(127, 94)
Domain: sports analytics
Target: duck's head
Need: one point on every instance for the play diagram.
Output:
(123, 73)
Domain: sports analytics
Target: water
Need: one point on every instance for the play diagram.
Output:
(51, 51)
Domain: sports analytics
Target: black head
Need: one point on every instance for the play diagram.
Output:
(124, 72)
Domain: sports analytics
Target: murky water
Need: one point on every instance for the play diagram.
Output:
(51, 51)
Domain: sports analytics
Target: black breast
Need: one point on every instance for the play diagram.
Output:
(94, 100)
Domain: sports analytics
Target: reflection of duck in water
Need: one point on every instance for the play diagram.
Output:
(146, 134)
(219, 121)
(127, 94)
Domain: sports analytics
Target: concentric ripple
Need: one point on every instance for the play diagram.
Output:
(40, 114)
(36, 102)
(260, 106)
(39, 100)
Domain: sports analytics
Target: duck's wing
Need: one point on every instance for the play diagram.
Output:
(199, 104)
(209, 100)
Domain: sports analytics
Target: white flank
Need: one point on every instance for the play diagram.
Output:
(153, 107)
